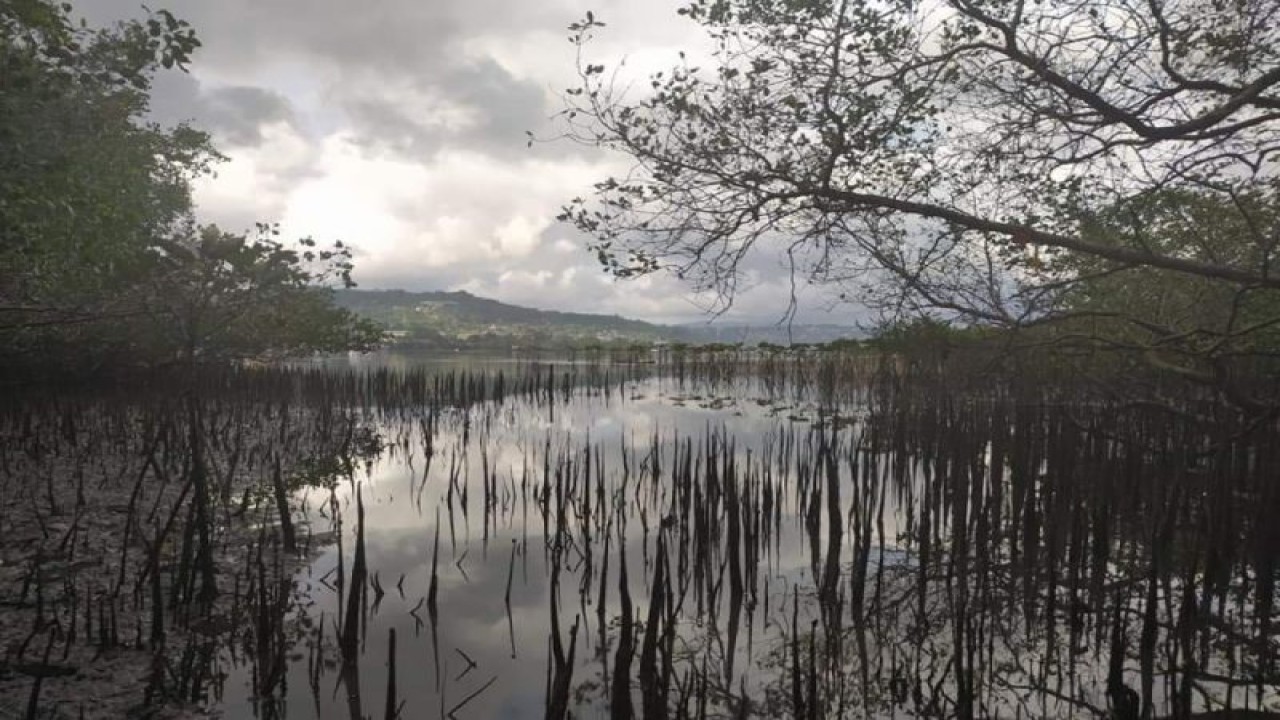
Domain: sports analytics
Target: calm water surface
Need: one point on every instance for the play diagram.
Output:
(785, 553)
(628, 432)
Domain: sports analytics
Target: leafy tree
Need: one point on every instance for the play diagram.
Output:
(846, 345)
(1203, 329)
(1160, 303)
(980, 158)
(86, 187)
(101, 258)
(222, 295)
(923, 339)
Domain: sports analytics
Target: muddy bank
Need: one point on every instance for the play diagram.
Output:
(142, 542)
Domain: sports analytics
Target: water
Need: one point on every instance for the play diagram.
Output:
(731, 536)
(595, 440)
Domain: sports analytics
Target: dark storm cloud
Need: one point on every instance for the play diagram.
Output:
(175, 98)
(495, 110)
(507, 106)
(370, 55)
(245, 33)
(234, 115)
(238, 113)
(389, 126)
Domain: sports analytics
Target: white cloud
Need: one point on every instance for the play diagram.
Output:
(399, 128)
(258, 183)
(519, 237)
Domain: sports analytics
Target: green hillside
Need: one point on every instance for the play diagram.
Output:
(460, 319)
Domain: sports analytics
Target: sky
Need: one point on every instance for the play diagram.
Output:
(399, 127)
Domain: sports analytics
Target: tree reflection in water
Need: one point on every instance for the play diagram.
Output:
(731, 539)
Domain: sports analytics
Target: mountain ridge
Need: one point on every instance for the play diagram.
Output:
(460, 317)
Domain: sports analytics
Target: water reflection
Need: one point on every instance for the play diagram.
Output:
(737, 537)
(666, 547)
(530, 497)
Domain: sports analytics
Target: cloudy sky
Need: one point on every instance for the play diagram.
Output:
(399, 126)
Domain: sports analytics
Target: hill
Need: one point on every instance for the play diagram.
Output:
(460, 319)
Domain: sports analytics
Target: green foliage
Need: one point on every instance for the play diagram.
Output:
(1151, 305)
(845, 345)
(222, 295)
(1202, 329)
(101, 259)
(86, 187)
(923, 337)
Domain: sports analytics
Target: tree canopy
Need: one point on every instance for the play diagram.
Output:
(1009, 162)
(101, 255)
(224, 295)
